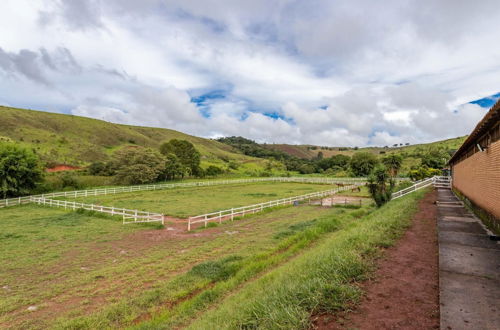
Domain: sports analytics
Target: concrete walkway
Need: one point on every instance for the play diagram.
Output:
(469, 268)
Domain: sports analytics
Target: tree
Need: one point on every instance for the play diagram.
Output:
(96, 168)
(435, 158)
(393, 163)
(380, 185)
(185, 152)
(423, 172)
(173, 167)
(306, 169)
(362, 163)
(335, 161)
(20, 170)
(138, 165)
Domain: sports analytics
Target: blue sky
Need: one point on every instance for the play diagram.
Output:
(277, 71)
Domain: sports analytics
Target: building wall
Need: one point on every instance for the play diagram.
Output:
(478, 179)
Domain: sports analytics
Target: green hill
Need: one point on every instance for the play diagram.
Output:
(78, 141)
(311, 151)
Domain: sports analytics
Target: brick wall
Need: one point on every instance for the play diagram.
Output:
(478, 178)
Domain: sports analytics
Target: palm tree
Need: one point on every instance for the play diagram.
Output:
(393, 163)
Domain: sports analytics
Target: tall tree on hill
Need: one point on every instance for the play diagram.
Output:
(20, 170)
(393, 163)
(185, 152)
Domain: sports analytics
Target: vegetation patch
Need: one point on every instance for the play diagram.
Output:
(322, 279)
(217, 270)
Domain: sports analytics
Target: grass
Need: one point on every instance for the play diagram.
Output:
(184, 202)
(362, 193)
(94, 272)
(270, 270)
(322, 279)
(75, 140)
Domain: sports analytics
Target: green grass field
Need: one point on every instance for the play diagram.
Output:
(184, 202)
(73, 265)
(81, 270)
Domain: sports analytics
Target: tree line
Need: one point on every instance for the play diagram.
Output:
(22, 172)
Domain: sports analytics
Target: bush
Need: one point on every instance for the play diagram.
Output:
(69, 180)
(362, 163)
(96, 168)
(423, 172)
(20, 170)
(213, 170)
(138, 166)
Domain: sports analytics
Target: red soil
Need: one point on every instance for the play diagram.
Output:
(404, 292)
(59, 168)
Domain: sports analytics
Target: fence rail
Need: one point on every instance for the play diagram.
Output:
(116, 190)
(436, 181)
(237, 211)
(128, 216)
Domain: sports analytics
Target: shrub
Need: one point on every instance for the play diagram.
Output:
(423, 172)
(96, 168)
(20, 170)
(69, 180)
(213, 170)
(138, 165)
(362, 163)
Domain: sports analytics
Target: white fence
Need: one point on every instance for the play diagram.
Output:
(437, 181)
(128, 216)
(237, 211)
(116, 190)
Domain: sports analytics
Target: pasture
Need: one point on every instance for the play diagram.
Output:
(85, 270)
(75, 266)
(189, 201)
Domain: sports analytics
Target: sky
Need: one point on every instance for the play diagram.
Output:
(324, 72)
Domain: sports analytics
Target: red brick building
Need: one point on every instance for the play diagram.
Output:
(476, 168)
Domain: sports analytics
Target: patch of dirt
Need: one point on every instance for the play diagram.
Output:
(404, 292)
(59, 168)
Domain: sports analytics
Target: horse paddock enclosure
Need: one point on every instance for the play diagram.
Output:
(71, 268)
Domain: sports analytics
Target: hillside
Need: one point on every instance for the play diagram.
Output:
(78, 141)
(310, 151)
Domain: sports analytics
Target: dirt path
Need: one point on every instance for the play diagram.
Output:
(404, 292)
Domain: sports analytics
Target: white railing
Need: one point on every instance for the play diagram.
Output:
(116, 190)
(442, 181)
(229, 214)
(436, 181)
(128, 216)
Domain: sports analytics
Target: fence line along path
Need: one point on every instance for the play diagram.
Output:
(436, 181)
(123, 189)
(229, 214)
(128, 216)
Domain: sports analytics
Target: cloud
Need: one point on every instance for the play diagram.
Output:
(332, 73)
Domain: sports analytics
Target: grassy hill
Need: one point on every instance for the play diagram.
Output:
(311, 151)
(78, 141)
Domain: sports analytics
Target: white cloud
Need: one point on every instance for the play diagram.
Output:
(382, 73)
